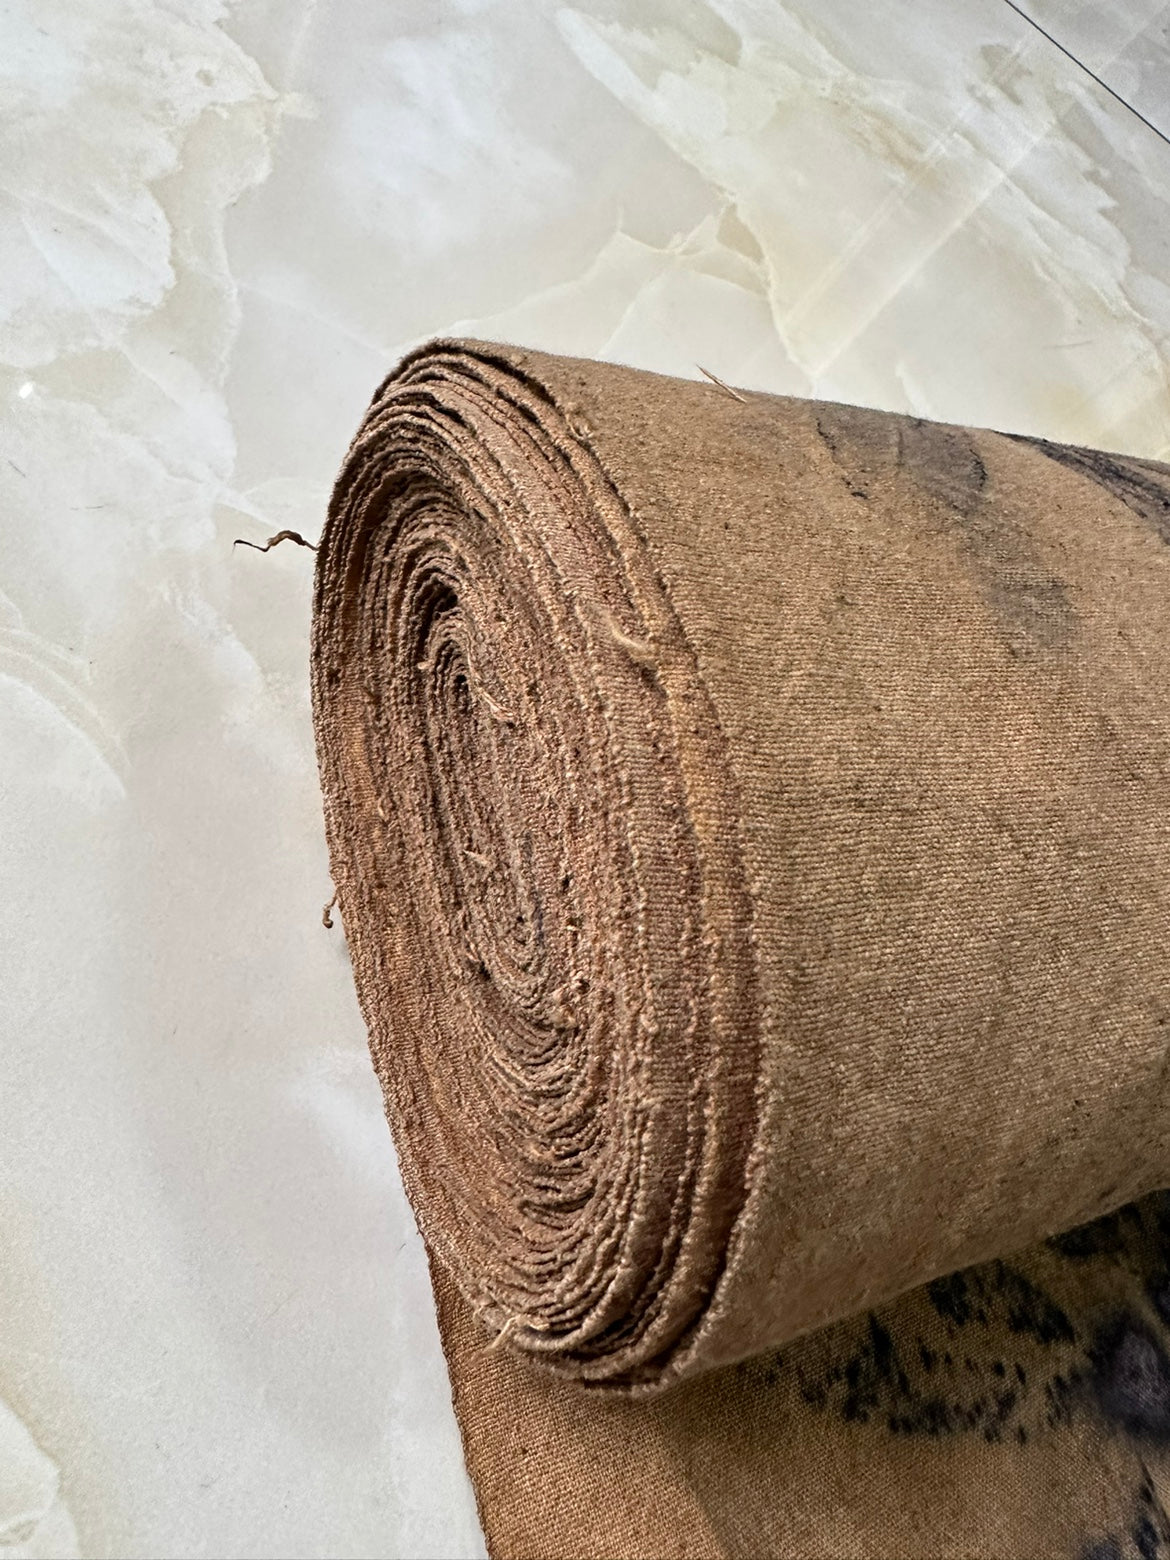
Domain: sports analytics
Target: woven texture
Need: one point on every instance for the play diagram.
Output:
(749, 819)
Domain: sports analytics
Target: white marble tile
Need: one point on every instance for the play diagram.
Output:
(1126, 44)
(219, 226)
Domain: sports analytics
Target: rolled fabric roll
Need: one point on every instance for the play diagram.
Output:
(750, 823)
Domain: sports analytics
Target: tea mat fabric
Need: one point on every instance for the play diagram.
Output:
(749, 822)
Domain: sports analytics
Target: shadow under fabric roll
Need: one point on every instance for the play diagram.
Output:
(751, 823)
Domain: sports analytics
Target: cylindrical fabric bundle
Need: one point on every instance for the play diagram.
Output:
(751, 823)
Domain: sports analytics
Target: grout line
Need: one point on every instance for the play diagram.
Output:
(1125, 103)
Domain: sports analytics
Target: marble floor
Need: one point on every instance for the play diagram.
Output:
(221, 225)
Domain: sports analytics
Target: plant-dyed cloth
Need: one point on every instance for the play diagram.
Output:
(751, 823)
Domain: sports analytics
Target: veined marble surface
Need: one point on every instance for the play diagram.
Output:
(221, 225)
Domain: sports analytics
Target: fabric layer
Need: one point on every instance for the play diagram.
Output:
(749, 822)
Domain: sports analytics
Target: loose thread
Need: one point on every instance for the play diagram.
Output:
(501, 1337)
(326, 918)
(715, 380)
(275, 541)
(498, 711)
(639, 650)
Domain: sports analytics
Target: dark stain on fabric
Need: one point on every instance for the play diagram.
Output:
(1027, 600)
(965, 1354)
(1147, 1530)
(945, 462)
(1131, 1378)
(1105, 1236)
(1151, 1526)
(1102, 1549)
(1024, 1308)
(1076, 1329)
(861, 446)
(1143, 486)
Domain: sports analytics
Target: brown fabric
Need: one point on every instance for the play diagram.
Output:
(749, 819)
(1017, 1411)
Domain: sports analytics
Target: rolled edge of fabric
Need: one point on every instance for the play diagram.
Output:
(516, 811)
(544, 812)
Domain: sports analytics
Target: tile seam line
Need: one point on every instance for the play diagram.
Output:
(1092, 74)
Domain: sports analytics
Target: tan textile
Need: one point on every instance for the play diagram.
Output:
(751, 823)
